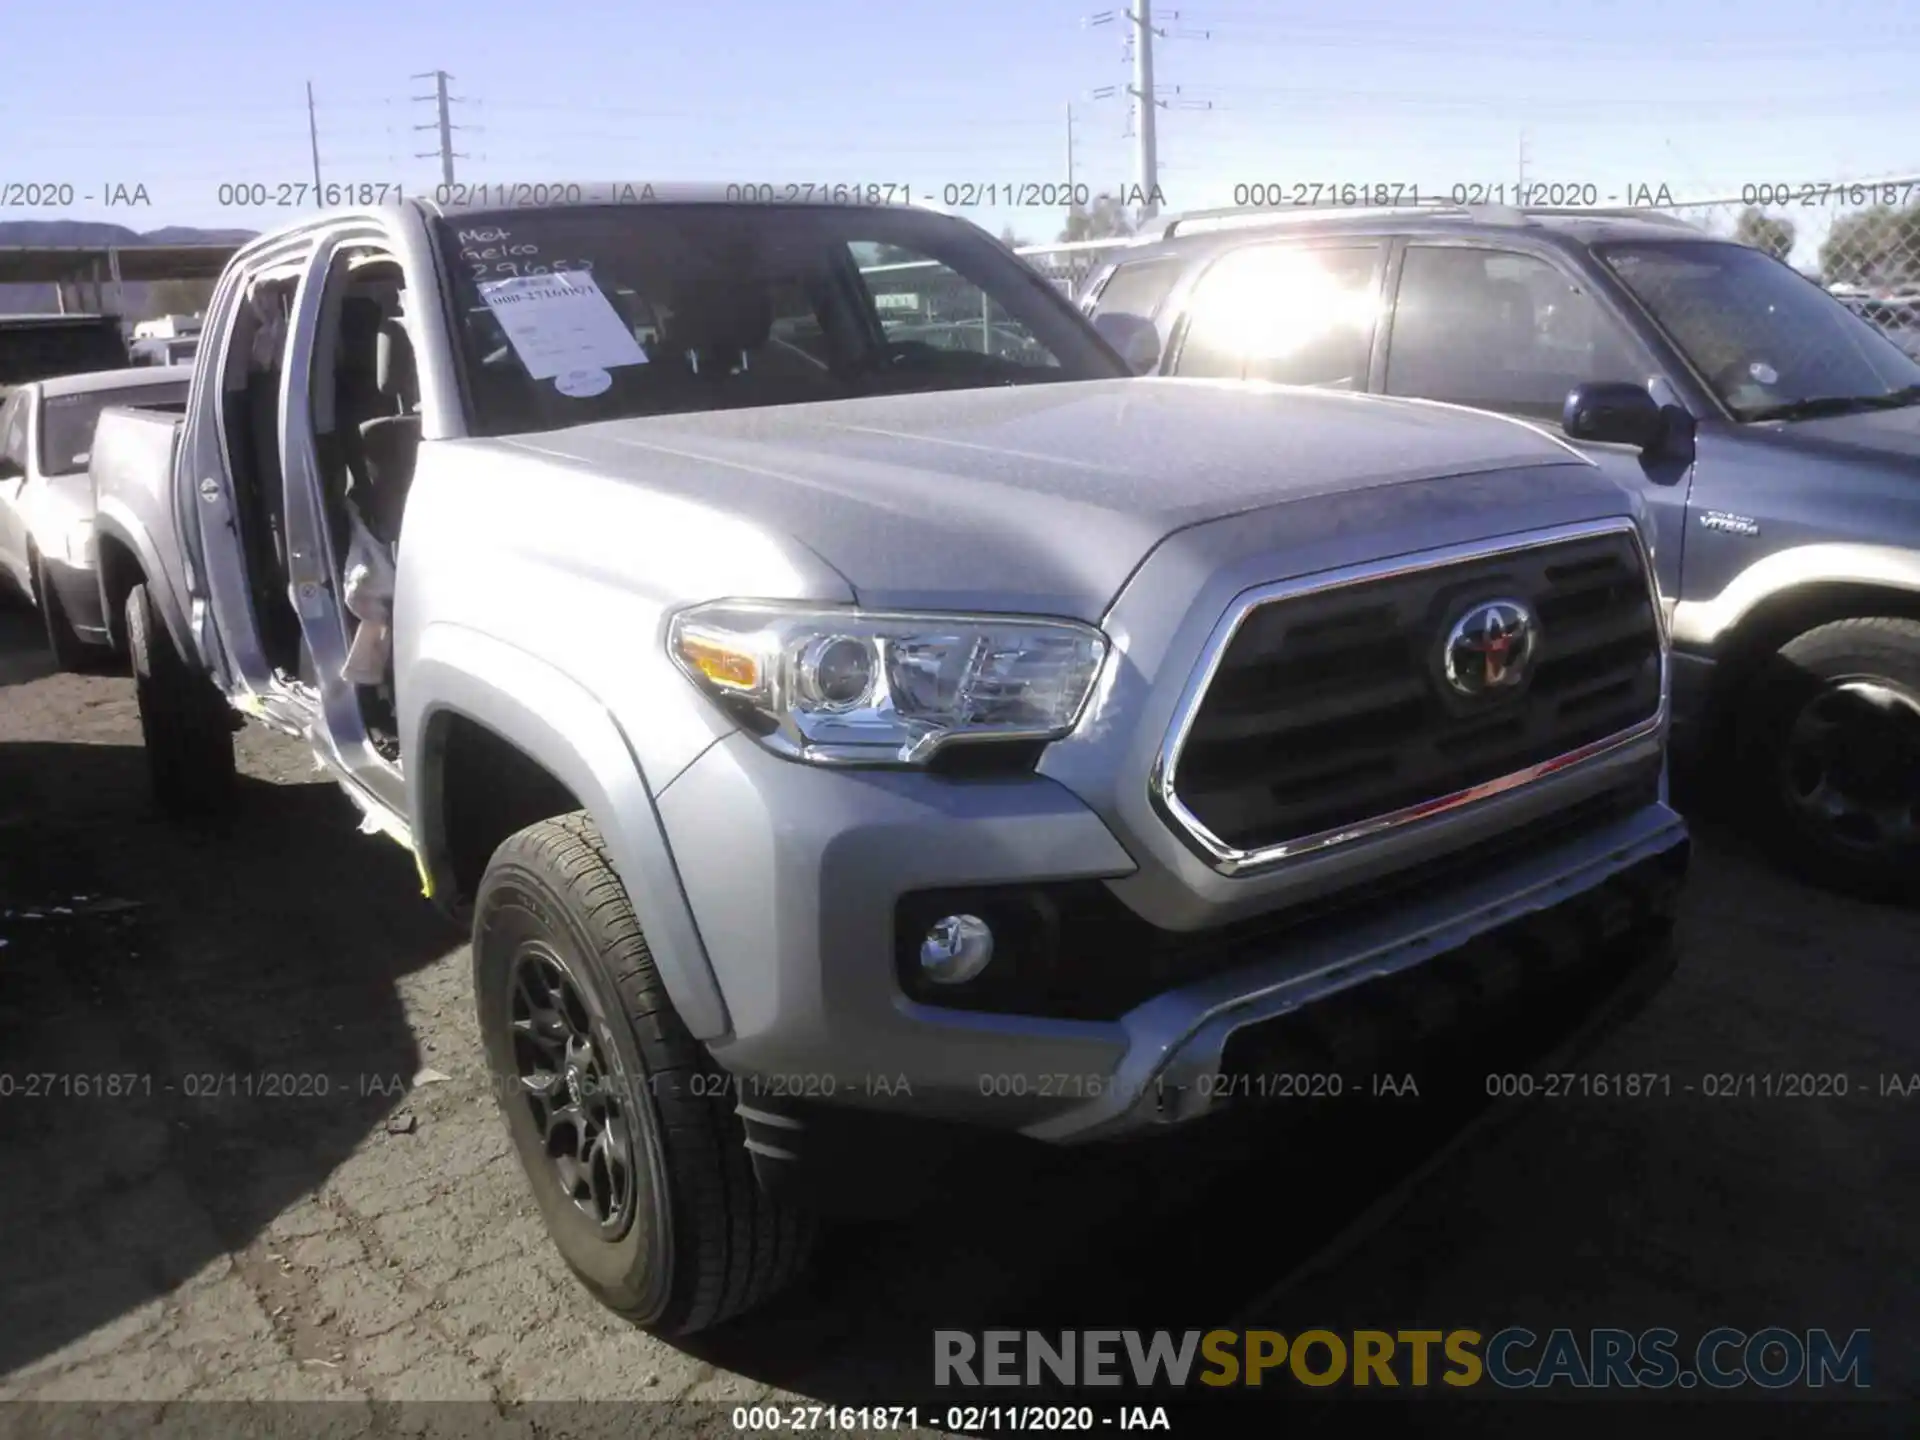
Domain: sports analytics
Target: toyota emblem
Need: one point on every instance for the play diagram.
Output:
(1490, 648)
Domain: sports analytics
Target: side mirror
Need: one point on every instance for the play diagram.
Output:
(1614, 413)
(1134, 337)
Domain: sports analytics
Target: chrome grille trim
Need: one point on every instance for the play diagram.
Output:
(1231, 860)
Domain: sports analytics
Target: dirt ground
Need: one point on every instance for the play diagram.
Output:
(346, 1221)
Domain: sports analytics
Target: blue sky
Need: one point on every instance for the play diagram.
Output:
(1704, 96)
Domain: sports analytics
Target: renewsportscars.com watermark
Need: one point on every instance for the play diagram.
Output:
(1725, 1358)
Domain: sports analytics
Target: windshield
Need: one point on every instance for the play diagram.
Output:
(1766, 339)
(597, 313)
(67, 421)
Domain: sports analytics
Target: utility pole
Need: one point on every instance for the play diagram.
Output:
(313, 139)
(1522, 186)
(444, 123)
(1146, 153)
(1072, 203)
(1145, 96)
(1069, 148)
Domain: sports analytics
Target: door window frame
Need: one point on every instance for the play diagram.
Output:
(1588, 278)
(18, 407)
(316, 571)
(215, 561)
(1091, 302)
(1194, 287)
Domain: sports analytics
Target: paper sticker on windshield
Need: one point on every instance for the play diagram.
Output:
(582, 383)
(561, 322)
(1763, 372)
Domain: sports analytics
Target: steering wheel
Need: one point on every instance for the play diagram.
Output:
(898, 352)
(890, 356)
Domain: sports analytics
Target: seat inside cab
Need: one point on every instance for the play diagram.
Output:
(367, 420)
(366, 407)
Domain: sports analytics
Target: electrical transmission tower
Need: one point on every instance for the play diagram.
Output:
(1144, 96)
(443, 123)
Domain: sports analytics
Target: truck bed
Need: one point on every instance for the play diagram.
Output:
(134, 447)
(131, 464)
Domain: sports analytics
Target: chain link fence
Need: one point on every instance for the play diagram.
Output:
(924, 302)
(1070, 266)
(1859, 239)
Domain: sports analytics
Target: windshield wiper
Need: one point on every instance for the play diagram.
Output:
(1834, 405)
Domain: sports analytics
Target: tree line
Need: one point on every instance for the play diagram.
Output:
(1876, 247)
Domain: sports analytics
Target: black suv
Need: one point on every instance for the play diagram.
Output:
(1773, 432)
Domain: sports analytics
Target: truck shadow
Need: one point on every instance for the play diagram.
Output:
(168, 1088)
(23, 649)
(1177, 1233)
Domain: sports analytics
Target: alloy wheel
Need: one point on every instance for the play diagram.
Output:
(568, 1077)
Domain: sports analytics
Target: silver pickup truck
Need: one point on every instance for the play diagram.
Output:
(833, 736)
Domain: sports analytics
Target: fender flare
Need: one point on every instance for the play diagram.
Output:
(1701, 625)
(113, 520)
(567, 730)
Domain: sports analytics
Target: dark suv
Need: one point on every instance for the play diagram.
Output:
(1773, 432)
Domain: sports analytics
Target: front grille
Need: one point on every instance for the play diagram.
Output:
(1329, 708)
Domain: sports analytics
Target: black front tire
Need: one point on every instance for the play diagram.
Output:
(70, 652)
(624, 1125)
(184, 720)
(1831, 743)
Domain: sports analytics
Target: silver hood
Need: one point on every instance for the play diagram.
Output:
(1046, 498)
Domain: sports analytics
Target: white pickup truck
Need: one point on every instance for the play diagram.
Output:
(47, 430)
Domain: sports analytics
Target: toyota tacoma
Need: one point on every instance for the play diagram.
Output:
(842, 701)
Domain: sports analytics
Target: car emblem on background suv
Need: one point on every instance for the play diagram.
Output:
(1490, 647)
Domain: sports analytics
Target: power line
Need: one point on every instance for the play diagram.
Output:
(1299, 34)
(941, 111)
(1582, 106)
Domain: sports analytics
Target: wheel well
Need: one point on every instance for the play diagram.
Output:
(488, 788)
(1779, 618)
(120, 571)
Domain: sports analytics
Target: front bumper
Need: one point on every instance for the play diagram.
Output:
(794, 874)
(1372, 996)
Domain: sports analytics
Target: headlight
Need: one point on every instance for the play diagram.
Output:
(863, 687)
(79, 538)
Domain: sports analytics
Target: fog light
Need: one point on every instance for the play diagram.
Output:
(956, 949)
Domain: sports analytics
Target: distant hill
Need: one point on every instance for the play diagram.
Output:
(29, 299)
(188, 235)
(96, 232)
